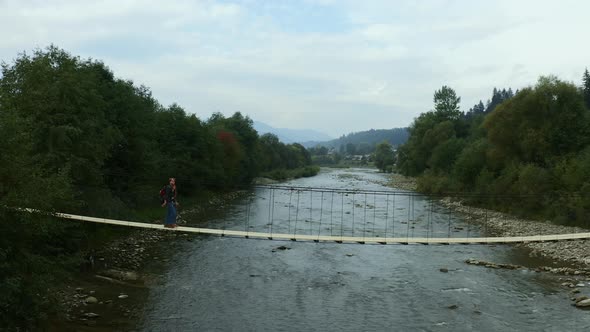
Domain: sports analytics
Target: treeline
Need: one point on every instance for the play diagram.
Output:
(282, 161)
(527, 152)
(365, 142)
(372, 137)
(75, 138)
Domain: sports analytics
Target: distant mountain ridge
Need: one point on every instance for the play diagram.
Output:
(288, 136)
(395, 137)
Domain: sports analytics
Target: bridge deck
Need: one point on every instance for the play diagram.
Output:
(324, 238)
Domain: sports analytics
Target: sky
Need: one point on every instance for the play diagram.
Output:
(332, 66)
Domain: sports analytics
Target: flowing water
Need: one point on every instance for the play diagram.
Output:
(236, 284)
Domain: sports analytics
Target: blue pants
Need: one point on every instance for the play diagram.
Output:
(170, 213)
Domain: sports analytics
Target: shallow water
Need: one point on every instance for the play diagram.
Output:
(232, 284)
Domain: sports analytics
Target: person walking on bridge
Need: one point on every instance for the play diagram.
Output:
(170, 203)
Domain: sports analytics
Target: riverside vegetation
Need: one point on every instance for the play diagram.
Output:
(526, 152)
(526, 155)
(75, 138)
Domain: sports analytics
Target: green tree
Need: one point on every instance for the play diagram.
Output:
(469, 164)
(247, 137)
(31, 245)
(270, 152)
(74, 138)
(384, 156)
(446, 104)
(540, 123)
(444, 155)
(62, 95)
(586, 88)
(350, 149)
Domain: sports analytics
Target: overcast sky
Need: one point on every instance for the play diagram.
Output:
(333, 66)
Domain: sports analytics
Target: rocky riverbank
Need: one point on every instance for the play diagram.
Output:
(570, 253)
(111, 291)
(399, 181)
(572, 257)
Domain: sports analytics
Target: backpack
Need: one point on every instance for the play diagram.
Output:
(163, 194)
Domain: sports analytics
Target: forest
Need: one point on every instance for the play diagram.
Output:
(77, 139)
(525, 152)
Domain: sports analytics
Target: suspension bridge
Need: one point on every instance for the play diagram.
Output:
(344, 216)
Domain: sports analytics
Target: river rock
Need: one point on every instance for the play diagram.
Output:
(91, 315)
(580, 298)
(583, 303)
(453, 307)
(91, 300)
(121, 275)
(444, 270)
(123, 296)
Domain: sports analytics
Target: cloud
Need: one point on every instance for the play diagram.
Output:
(334, 66)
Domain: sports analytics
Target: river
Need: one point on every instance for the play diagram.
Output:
(235, 284)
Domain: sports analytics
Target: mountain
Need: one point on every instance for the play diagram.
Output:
(287, 135)
(395, 137)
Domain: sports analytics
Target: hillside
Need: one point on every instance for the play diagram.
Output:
(287, 135)
(395, 137)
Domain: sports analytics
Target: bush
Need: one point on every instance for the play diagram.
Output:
(285, 174)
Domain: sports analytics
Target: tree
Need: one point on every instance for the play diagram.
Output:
(350, 149)
(539, 124)
(67, 100)
(384, 156)
(31, 245)
(586, 88)
(477, 110)
(74, 138)
(498, 97)
(271, 149)
(446, 104)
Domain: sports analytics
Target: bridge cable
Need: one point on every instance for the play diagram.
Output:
(469, 216)
(311, 213)
(342, 217)
(296, 213)
(271, 210)
(486, 222)
(374, 213)
(415, 218)
(224, 226)
(321, 215)
(272, 214)
(332, 214)
(408, 223)
(450, 216)
(248, 216)
(393, 217)
(290, 204)
(429, 218)
(365, 219)
(353, 208)
(386, 216)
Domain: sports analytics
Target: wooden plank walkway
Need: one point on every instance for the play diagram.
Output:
(338, 239)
